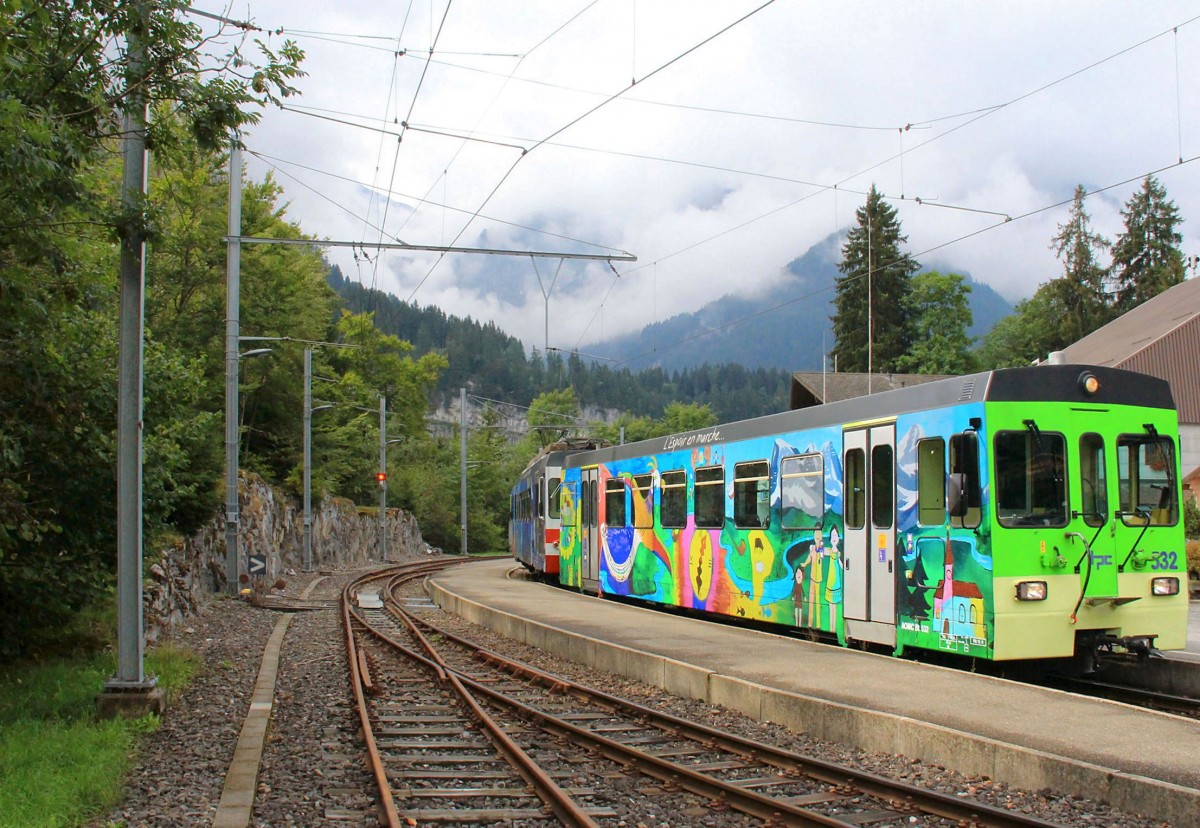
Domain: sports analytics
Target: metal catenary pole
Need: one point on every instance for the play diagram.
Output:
(130, 643)
(462, 404)
(232, 320)
(307, 460)
(383, 478)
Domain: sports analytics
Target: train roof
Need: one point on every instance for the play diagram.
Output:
(1043, 383)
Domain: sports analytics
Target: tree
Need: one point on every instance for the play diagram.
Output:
(1146, 256)
(554, 414)
(63, 76)
(942, 313)
(873, 289)
(1078, 297)
(678, 417)
(1026, 335)
(375, 365)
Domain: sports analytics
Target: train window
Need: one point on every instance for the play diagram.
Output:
(802, 491)
(537, 499)
(555, 489)
(710, 498)
(856, 491)
(1093, 482)
(883, 487)
(964, 468)
(931, 481)
(1146, 469)
(614, 502)
(672, 508)
(643, 518)
(1031, 487)
(752, 494)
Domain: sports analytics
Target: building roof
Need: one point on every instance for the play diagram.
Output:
(1160, 337)
(816, 387)
(1133, 332)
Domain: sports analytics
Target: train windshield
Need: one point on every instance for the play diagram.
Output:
(1031, 487)
(1146, 465)
(555, 489)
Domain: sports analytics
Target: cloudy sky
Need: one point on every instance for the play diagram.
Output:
(714, 141)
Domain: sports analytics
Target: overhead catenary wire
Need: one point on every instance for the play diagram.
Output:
(392, 88)
(576, 120)
(981, 112)
(536, 46)
(274, 162)
(396, 159)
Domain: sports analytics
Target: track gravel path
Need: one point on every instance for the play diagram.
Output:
(313, 774)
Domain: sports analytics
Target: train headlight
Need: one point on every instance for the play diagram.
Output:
(1031, 591)
(1164, 586)
(1089, 383)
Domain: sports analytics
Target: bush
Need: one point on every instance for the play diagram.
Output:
(1191, 519)
(1193, 559)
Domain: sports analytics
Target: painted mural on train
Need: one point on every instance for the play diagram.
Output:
(944, 590)
(788, 570)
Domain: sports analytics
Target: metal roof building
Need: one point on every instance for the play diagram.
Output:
(1160, 337)
(819, 387)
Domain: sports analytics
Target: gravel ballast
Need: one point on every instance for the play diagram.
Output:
(312, 770)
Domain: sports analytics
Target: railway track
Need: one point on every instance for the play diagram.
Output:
(1140, 696)
(459, 734)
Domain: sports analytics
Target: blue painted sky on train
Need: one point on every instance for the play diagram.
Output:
(718, 168)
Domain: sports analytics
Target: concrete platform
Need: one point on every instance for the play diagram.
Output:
(1034, 738)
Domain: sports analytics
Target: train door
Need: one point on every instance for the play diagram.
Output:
(869, 560)
(590, 524)
(1093, 473)
(537, 550)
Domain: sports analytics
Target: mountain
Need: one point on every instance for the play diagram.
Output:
(788, 328)
(495, 365)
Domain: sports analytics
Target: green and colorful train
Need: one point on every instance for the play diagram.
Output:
(1019, 514)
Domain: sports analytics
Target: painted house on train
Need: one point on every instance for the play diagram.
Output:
(1160, 337)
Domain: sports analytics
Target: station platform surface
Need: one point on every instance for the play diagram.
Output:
(1035, 738)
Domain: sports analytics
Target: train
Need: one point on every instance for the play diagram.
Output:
(1016, 515)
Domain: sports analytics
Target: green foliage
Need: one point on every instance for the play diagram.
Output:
(1026, 335)
(62, 88)
(687, 417)
(495, 365)
(1146, 261)
(941, 308)
(554, 415)
(873, 291)
(1146, 256)
(346, 437)
(677, 417)
(1191, 519)
(1078, 296)
(58, 774)
(58, 765)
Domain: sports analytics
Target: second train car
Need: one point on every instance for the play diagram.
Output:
(1029, 513)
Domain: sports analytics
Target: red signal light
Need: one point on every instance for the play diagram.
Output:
(381, 476)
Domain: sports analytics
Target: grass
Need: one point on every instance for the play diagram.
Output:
(59, 765)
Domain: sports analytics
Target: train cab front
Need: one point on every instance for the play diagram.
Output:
(1089, 529)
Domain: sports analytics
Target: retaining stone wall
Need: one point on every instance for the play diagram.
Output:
(184, 576)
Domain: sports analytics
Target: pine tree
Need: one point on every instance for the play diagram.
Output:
(872, 260)
(1146, 257)
(1078, 298)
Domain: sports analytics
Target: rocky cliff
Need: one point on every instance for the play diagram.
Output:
(344, 536)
